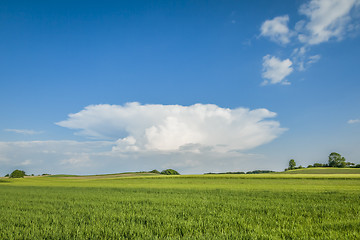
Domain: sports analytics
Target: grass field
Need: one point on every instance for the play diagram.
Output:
(324, 171)
(264, 206)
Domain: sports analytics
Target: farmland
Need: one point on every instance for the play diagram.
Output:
(325, 170)
(139, 206)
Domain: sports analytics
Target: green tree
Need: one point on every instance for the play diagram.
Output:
(17, 174)
(336, 160)
(292, 164)
(170, 172)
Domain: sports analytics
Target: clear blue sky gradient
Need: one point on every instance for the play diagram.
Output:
(56, 57)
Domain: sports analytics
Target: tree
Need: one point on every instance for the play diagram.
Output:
(320, 165)
(292, 164)
(350, 164)
(17, 174)
(336, 160)
(170, 172)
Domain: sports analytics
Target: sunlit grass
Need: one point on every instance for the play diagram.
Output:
(266, 206)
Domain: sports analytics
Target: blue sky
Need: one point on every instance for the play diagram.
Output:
(196, 86)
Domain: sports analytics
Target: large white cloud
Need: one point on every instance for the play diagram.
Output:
(156, 127)
(134, 137)
(276, 70)
(327, 19)
(276, 29)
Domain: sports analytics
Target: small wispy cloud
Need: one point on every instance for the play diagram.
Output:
(314, 59)
(25, 163)
(352, 121)
(301, 59)
(23, 131)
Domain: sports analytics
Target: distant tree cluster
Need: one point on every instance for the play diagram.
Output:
(250, 172)
(259, 171)
(227, 173)
(165, 172)
(335, 160)
(292, 165)
(17, 174)
(170, 172)
(20, 174)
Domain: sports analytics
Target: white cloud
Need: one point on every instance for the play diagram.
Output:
(25, 163)
(50, 156)
(77, 160)
(298, 57)
(277, 29)
(328, 19)
(23, 131)
(192, 139)
(352, 121)
(314, 59)
(324, 20)
(157, 127)
(276, 70)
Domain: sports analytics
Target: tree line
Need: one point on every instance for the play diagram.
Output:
(335, 160)
(249, 172)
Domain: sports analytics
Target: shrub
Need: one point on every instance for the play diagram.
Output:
(154, 171)
(170, 172)
(17, 174)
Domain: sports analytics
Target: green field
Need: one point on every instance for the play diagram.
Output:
(263, 206)
(324, 170)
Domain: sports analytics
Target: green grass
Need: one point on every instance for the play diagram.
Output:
(265, 206)
(104, 175)
(324, 171)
